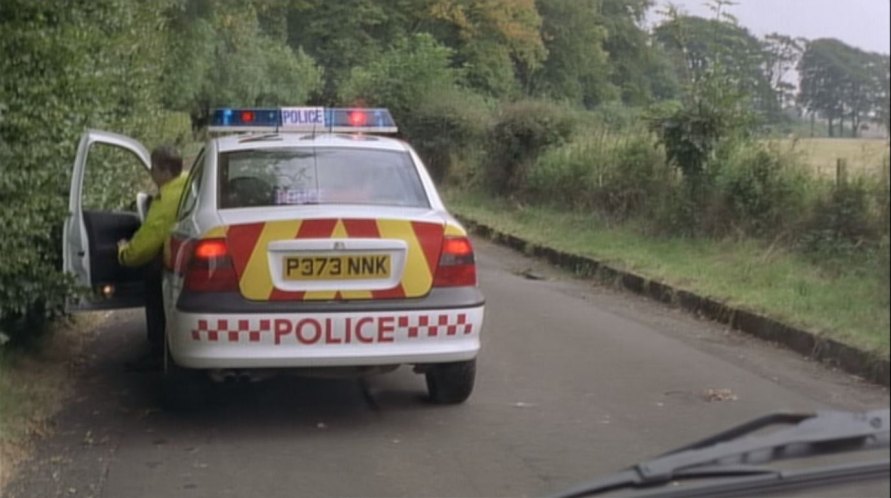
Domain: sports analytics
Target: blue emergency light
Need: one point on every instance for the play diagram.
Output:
(303, 119)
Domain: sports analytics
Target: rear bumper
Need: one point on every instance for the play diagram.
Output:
(322, 338)
(232, 302)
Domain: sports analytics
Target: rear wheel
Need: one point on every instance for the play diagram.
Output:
(184, 389)
(450, 383)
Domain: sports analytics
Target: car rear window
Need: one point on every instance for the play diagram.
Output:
(287, 177)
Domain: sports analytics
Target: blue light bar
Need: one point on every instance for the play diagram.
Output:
(303, 119)
(246, 119)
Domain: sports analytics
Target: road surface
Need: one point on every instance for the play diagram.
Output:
(574, 380)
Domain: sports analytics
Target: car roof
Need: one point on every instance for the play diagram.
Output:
(261, 140)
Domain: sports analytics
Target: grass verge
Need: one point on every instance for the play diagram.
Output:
(33, 384)
(850, 306)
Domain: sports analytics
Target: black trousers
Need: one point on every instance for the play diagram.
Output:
(155, 321)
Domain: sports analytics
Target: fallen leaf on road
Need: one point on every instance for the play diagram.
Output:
(715, 395)
(530, 274)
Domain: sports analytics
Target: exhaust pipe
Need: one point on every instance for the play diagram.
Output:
(238, 376)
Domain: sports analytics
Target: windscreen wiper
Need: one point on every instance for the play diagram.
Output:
(737, 453)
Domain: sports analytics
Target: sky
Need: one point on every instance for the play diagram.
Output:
(862, 23)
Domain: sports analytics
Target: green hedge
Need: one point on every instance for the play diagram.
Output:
(66, 66)
(521, 131)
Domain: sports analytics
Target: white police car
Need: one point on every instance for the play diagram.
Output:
(304, 240)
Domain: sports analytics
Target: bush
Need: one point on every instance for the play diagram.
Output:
(618, 177)
(521, 132)
(759, 190)
(844, 220)
(447, 128)
(416, 81)
(713, 112)
(617, 116)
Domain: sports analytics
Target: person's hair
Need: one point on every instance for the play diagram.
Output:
(167, 158)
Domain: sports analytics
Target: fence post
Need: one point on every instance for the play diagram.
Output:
(841, 172)
(886, 175)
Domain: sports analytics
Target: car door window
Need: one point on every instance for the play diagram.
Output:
(108, 167)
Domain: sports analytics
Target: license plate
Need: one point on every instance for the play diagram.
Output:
(346, 267)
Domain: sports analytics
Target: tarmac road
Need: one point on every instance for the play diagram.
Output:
(574, 381)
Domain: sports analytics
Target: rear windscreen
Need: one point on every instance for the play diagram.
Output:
(289, 177)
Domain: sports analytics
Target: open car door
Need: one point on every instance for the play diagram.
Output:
(90, 237)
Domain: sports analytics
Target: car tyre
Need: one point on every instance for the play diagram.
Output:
(183, 389)
(450, 383)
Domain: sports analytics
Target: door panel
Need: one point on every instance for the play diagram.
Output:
(104, 230)
(90, 236)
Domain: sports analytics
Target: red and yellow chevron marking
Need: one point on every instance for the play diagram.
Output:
(248, 245)
(454, 231)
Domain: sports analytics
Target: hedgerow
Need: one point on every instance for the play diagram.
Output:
(66, 67)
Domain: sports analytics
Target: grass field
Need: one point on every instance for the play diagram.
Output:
(851, 307)
(821, 154)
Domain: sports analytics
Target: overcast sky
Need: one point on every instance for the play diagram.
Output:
(861, 23)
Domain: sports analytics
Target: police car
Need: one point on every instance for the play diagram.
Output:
(304, 240)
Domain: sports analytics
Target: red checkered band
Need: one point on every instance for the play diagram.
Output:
(242, 330)
(442, 323)
(245, 330)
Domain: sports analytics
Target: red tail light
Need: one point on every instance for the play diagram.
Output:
(210, 269)
(457, 267)
(211, 249)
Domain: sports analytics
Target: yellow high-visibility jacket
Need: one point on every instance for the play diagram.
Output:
(148, 241)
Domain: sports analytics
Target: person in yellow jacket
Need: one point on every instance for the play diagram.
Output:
(147, 243)
(145, 247)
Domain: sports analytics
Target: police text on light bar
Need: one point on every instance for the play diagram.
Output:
(303, 119)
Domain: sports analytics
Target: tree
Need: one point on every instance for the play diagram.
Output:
(882, 97)
(638, 69)
(840, 82)
(697, 44)
(347, 33)
(782, 54)
(222, 57)
(577, 66)
(495, 41)
(492, 40)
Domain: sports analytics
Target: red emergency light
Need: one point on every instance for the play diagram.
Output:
(357, 118)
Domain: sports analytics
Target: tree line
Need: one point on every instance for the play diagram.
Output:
(587, 53)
